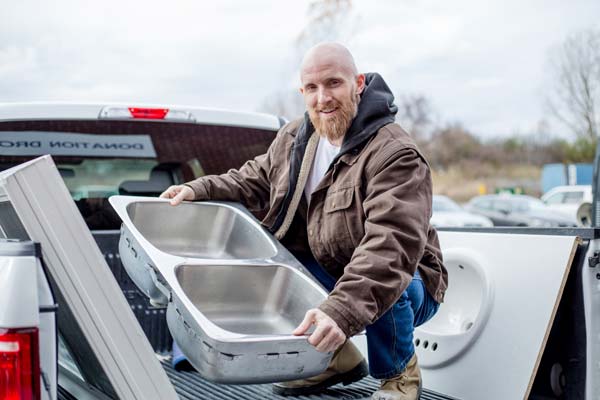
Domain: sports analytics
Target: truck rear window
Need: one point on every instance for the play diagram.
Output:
(101, 158)
(104, 178)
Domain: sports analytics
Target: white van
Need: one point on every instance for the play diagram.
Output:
(568, 199)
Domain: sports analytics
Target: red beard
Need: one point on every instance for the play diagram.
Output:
(336, 126)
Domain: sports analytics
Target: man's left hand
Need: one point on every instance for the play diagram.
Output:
(327, 336)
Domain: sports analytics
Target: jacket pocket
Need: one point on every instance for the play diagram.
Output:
(338, 237)
(344, 206)
(339, 200)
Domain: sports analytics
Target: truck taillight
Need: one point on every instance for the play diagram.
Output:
(19, 364)
(148, 113)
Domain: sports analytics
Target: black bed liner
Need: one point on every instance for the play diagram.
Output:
(190, 386)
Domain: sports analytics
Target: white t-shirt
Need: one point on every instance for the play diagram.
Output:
(325, 154)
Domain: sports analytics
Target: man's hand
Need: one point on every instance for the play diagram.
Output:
(178, 193)
(327, 336)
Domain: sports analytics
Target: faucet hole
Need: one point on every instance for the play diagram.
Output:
(467, 325)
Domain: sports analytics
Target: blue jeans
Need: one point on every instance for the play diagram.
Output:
(390, 338)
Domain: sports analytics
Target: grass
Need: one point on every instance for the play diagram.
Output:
(462, 182)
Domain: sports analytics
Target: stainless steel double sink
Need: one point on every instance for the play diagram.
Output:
(233, 293)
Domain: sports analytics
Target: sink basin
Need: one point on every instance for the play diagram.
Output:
(254, 300)
(456, 326)
(233, 293)
(462, 304)
(200, 230)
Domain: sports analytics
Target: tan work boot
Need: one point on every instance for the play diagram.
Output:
(346, 366)
(405, 386)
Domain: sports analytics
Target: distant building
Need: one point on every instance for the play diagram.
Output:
(566, 174)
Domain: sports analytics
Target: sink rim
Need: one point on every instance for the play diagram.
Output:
(122, 204)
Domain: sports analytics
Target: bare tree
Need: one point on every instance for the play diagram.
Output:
(416, 115)
(451, 144)
(576, 97)
(286, 103)
(328, 20)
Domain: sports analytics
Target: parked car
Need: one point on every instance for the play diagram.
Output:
(446, 212)
(568, 199)
(517, 210)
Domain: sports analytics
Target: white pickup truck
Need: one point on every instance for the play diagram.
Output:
(520, 319)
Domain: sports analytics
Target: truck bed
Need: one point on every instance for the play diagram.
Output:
(190, 386)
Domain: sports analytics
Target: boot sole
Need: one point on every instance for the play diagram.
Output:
(419, 393)
(354, 375)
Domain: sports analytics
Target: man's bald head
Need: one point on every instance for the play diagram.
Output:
(331, 87)
(328, 54)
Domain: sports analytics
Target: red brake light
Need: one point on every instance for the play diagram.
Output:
(19, 364)
(148, 113)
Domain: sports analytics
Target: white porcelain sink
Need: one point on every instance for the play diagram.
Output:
(463, 313)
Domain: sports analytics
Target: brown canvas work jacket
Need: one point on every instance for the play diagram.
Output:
(367, 222)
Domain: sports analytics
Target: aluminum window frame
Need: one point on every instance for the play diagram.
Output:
(79, 271)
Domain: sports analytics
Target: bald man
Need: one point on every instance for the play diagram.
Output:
(346, 190)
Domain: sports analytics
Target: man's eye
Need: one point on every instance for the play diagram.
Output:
(334, 82)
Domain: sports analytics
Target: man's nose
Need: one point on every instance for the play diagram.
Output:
(323, 95)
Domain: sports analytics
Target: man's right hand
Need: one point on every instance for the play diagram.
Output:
(178, 193)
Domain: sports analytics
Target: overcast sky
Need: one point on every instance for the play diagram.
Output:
(482, 63)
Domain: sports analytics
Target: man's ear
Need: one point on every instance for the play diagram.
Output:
(360, 83)
(301, 90)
